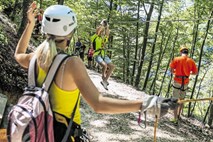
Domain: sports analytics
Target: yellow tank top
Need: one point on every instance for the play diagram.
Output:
(62, 102)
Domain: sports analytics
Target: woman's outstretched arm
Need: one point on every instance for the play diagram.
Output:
(20, 54)
(99, 103)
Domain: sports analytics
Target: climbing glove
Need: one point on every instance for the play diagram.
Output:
(155, 105)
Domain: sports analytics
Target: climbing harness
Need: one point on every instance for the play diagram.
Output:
(182, 83)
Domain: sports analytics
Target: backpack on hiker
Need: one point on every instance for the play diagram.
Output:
(31, 119)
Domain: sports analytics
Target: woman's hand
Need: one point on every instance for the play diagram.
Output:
(31, 13)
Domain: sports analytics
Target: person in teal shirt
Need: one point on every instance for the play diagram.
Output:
(99, 40)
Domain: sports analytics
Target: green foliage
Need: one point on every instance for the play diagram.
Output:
(3, 38)
(5, 3)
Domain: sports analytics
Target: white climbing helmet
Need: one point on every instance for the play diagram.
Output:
(58, 20)
(104, 22)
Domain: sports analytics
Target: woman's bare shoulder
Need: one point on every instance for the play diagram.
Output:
(75, 62)
(76, 68)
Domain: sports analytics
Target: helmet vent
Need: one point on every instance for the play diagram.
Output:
(69, 12)
(47, 18)
(56, 20)
(73, 18)
(71, 24)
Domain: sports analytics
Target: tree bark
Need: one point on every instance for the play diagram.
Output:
(161, 55)
(210, 120)
(136, 44)
(61, 2)
(153, 49)
(200, 59)
(14, 10)
(172, 56)
(198, 92)
(146, 31)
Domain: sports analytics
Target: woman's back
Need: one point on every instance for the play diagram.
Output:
(62, 99)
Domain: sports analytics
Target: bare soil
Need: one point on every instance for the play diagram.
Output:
(124, 127)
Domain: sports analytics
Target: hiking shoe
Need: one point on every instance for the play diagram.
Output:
(104, 80)
(107, 83)
(155, 105)
(104, 83)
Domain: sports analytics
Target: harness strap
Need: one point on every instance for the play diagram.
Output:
(181, 88)
(97, 50)
(183, 77)
(182, 83)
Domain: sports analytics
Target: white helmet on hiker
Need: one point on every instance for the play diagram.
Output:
(58, 20)
(104, 22)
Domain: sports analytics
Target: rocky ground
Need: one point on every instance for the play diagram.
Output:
(124, 127)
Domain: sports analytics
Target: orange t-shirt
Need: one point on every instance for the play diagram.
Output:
(183, 66)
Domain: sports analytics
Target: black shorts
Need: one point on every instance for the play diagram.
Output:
(89, 58)
(60, 130)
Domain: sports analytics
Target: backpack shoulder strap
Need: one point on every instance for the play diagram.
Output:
(31, 72)
(53, 70)
(69, 127)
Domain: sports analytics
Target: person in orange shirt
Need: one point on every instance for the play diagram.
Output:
(182, 67)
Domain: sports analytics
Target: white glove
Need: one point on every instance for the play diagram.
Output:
(155, 105)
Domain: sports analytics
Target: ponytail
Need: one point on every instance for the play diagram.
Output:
(46, 52)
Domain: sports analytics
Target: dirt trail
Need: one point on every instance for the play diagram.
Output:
(124, 127)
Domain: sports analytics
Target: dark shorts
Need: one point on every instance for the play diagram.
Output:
(89, 58)
(60, 130)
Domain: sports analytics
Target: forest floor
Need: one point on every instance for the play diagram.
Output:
(124, 127)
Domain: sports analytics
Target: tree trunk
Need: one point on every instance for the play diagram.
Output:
(200, 59)
(146, 31)
(198, 92)
(153, 49)
(14, 10)
(210, 120)
(136, 44)
(128, 61)
(172, 56)
(152, 86)
(161, 55)
(195, 29)
(24, 21)
(61, 2)
(173, 46)
(124, 56)
(195, 35)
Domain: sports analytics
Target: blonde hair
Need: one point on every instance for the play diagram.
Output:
(45, 53)
(47, 50)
